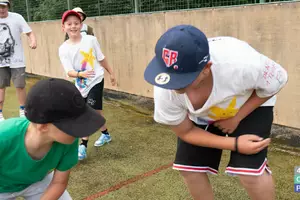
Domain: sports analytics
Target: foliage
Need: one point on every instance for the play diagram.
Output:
(40, 10)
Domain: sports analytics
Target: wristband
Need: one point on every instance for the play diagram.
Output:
(78, 74)
(236, 144)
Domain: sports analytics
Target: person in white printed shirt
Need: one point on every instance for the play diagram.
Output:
(82, 58)
(216, 94)
(12, 61)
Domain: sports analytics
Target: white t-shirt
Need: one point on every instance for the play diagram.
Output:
(81, 57)
(237, 71)
(11, 48)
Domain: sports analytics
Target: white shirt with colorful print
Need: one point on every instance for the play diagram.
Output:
(81, 57)
(237, 71)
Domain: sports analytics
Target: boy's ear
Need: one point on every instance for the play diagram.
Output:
(207, 67)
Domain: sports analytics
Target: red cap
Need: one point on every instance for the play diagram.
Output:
(68, 13)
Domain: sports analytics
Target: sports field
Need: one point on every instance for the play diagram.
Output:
(136, 164)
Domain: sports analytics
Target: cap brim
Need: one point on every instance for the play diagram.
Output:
(174, 81)
(84, 16)
(4, 4)
(84, 125)
(68, 13)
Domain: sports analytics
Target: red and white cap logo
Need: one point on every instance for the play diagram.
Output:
(169, 56)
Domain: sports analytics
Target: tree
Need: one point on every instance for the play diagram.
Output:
(52, 9)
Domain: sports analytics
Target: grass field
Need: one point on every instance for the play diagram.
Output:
(139, 145)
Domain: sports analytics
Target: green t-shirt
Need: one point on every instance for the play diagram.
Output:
(17, 169)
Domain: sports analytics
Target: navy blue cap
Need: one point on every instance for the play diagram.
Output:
(180, 55)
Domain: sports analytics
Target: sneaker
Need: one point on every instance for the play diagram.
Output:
(81, 152)
(22, 113)
(102, 140)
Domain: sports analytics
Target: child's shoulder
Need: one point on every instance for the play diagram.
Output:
(14, 14)
(63, 48)
(89, 37)
(13, 127)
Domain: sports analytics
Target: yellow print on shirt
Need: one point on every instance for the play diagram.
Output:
(88, 58)
(218, 113)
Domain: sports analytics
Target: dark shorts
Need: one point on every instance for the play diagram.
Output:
(94, 98)
(17, 75)
(201, 159)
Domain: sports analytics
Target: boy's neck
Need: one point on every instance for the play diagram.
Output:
(75, 39)
(37, 144)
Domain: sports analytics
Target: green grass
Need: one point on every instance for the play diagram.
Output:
(140, 145)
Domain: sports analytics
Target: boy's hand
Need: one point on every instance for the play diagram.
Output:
(57, 185)
(251, 144)
(112, 80)
(87, 74)
(227, 125)
(32, 44)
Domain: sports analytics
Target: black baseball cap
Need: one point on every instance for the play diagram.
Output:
(59, 102)
(181, 53)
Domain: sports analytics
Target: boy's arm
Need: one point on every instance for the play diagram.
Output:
(32, 39)
(57, 186)
(251, 104)
(271, 78)
(247, 144)
(105, 64)
(85, 74)
(61, 174)
(230, 124)
(68, 67)
(265, 81)
(25, 28)
(169, 111)
(103, 61)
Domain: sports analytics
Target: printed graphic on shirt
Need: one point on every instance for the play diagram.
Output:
(271, 73)
(88, 58)
(7, 44)
(218, 113)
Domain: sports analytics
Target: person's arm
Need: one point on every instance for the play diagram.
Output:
(103, 61)
(266, 81)
(85, 74)
(168, 110)
(32, 39)
(68, 67)
(270, 80)
(251, 104)
(106, 66)
(62, 171)
(25, 28)
(246, 144)
(57, 186)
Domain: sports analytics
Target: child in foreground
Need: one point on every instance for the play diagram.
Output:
(38, 151)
